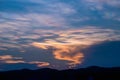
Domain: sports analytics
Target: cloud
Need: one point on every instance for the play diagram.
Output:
(40, 64)
(15, 26)
(69, 44)
(8, 59)
(68, 53)
(62, 8)
(13, 61)
(109, 2)
(66, 45)
(46, 20)
(62, 51)
(40, 13)
(31, 19)
(3, 48)
(5, 57)
(106, 9)
(39, 45)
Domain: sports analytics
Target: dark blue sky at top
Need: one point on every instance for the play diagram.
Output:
(59, 34)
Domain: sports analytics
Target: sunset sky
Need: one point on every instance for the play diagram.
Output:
(59, 34)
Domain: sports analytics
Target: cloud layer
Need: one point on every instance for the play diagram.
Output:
(62, 30)
(8, 59)
(68, 45)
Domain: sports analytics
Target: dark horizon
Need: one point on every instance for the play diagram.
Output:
(90, 73)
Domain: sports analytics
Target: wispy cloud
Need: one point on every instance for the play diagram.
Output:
(4, 57)
(114, 3)
(40, 64)
(9, 59)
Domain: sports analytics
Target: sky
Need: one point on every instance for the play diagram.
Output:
(59, 34)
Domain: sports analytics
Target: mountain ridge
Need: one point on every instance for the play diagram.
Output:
(89, 73)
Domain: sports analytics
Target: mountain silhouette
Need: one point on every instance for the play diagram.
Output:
(90, 73)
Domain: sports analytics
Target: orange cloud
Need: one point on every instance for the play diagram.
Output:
(63, 51)
(40, 64)
(10, 59)
(14, 61)
(5, 57)
(73, 58)
(39, 45)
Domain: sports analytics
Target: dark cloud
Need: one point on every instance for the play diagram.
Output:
(103, 54)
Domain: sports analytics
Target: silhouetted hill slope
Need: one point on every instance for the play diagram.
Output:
(90, 73)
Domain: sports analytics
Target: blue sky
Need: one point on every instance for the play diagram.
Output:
(58, 33)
